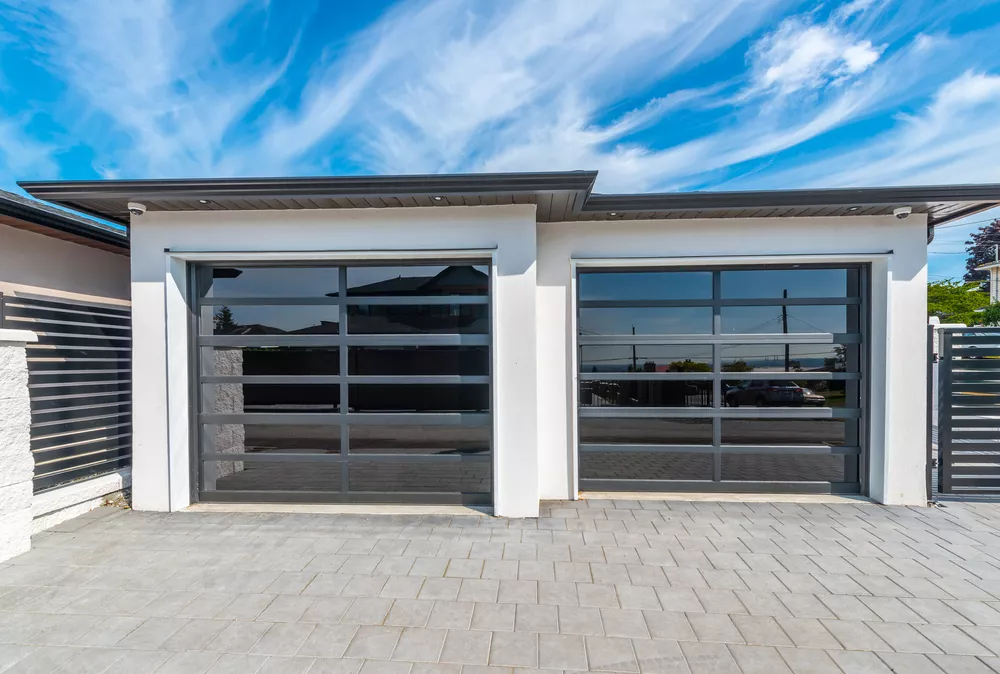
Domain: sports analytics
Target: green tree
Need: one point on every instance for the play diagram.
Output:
(980, 249)
(737, 366)
(689, 365)
(991, 316)
(224, 321)
(955, 302)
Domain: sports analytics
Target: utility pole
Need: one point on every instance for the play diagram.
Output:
(635, 366)
(784, 326)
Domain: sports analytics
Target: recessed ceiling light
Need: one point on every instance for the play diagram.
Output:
(438, 198)
(203, 201)
(853, 208)
(612, 214)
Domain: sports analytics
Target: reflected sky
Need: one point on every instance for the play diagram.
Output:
(646, 285)
(772, 320)
(646, 321)
(735, 284)
(269, 281)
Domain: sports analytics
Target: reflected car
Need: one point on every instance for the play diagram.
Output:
(765, 393)
(810, 397)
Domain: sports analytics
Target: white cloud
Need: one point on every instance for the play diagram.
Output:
(955, 138)
(803, 56)
(152, 69)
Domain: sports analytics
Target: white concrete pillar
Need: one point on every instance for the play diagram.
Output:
(17, 466)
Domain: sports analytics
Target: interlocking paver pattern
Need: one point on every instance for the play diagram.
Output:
(605, 586)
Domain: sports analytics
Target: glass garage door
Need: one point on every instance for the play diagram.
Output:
(345, 383)
(722, 379)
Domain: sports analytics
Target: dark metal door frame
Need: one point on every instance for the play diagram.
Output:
(860, 297)
(345, 417)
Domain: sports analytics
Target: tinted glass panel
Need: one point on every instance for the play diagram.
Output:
(269, 320)
(457, 279)
(267, 476)
(786, 468)
(646, 321)
(471, 477)
(741, 284)
(830, 432)
(418, 397)
(255, 438)
(770, 320)
(801, 358)
(639, 285)
(268, 281)
(269, 360)
(419, 360)
(646, 393)
(270, 398)
(420, 439)
(645, 466)
(645, 359)
(379, 319)
(646, 431)
(784, 393)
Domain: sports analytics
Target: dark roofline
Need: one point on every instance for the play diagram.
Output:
(848, 196)
(46, 216)
(106, 198)
(335, 186)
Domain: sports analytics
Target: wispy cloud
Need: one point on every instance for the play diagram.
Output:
(177, 87)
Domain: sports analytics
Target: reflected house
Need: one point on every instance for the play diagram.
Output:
(455, 280)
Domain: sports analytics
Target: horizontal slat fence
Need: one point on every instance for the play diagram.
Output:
(969, 411)
(79, 379)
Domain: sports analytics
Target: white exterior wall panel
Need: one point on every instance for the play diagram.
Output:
(534, 382)
(161, 478)
(896, 250)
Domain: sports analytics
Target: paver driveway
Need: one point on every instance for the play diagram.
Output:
(619, 586)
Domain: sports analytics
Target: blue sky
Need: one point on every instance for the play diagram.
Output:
(658, 95)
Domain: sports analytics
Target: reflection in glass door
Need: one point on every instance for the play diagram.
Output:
(344, 383)
(726, 379)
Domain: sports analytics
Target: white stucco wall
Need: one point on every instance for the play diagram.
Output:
(37, 263)
(899, 310)
(534, 382)
(161, 413)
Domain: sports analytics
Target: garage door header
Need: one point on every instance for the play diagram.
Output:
(558, 196)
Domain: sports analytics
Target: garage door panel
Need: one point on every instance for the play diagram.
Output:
(375, 389)
(769, 389)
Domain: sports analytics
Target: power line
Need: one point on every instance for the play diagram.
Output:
(965, 224)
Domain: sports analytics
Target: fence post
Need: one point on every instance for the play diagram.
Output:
(930, 412)
(944, 411)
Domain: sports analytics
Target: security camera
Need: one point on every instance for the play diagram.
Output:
(902, 212)
(136, 208)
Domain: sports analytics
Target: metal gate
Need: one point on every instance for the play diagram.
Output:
(968, 410)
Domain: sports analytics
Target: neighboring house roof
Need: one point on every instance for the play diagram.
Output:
(452, 280)
(558, 197)
(35, 216)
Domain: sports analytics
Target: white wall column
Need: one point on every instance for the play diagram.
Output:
(16, 463)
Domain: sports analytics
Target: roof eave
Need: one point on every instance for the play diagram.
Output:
(67, 224)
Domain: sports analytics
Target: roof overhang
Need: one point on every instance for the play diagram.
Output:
(41, 218)
(558, 197)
